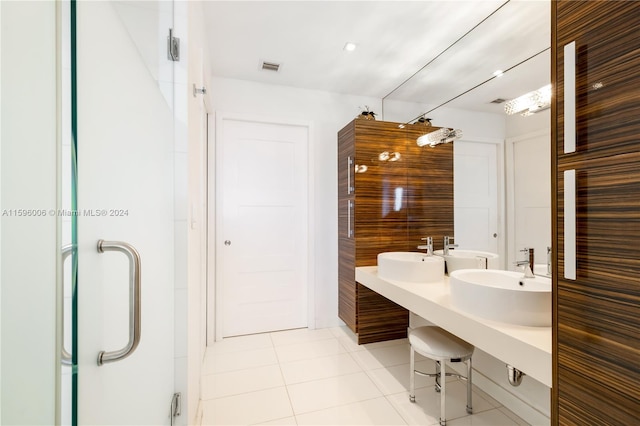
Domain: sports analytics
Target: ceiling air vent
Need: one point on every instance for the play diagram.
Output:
(498, 101)
(270, 66)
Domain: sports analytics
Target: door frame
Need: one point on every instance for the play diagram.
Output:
(215, 208)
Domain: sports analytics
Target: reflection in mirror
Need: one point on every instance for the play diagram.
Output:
(466, 86)
(516, 33)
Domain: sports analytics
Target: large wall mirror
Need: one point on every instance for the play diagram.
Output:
(502, 162)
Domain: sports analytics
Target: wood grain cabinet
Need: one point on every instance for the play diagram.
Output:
(391, 193)
(596, 214)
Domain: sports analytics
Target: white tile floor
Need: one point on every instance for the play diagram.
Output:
(322, 377)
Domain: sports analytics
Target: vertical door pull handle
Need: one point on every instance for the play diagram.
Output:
(570, 98)
(349, 178)
(65, 356)
(134, 300)
(350, 215)
(570, 224)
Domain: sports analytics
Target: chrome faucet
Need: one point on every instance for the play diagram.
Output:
(549, 261)
(448, 245)
(528, 263)
(428, 246)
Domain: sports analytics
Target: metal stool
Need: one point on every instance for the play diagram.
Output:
(440, 346)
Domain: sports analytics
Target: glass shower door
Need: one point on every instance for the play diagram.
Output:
(119, 188)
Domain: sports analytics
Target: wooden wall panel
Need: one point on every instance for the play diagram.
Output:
(379, 319)
(346, 283)
(596, 346)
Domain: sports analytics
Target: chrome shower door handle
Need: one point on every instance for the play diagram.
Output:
(65, 355)
(134, 300)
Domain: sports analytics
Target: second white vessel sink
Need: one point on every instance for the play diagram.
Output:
(410, 267)
(504, 296)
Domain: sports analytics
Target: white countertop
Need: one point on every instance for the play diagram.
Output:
(526, 348)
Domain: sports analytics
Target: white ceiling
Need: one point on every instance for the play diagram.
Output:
(432, 44)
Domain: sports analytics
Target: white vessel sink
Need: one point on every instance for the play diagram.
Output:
(504, 296)
(469, 259)
(411, 267)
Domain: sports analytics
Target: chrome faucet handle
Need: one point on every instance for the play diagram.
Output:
(428, 246)
(448, 245)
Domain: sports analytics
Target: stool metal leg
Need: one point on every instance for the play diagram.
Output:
(469, 405)
(443, 382)
(412, 376)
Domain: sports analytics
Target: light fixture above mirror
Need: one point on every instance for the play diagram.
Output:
(530, 103)
(442, 135)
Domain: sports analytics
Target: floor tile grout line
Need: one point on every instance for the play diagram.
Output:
(362, 369)
(217, 373)
(286, 387)
(331, 377)
(395, 393)
(237, 369)
(242, 393)
(396, 408)
(337, 406)
(210, 351)
(314, 357)
(299, 342)
(517, 420)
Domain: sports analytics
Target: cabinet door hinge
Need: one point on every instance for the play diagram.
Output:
(173, 47)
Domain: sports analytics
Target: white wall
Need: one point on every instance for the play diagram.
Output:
(517, 125)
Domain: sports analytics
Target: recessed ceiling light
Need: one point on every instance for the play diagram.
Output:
(498, 73)
(349, 47)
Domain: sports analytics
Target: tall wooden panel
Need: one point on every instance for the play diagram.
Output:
(346, 227)
(596, 353)
(386, 206)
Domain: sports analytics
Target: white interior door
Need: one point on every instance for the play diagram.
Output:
(476, 196)
(262, 226)
(124, 144)
(529, 188)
